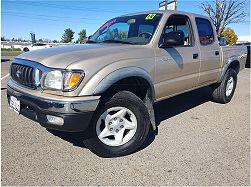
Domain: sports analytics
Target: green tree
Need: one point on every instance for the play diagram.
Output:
(82, 36)
(123, 34)
(3, 38)
(67, 36)
(230, 36)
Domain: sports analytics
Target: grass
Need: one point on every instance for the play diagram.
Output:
(11, 50)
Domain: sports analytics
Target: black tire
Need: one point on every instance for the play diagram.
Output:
(133, 103)
(26, 49)
(219, 90)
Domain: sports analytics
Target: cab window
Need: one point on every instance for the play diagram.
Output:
(205, 31)
(180, 23)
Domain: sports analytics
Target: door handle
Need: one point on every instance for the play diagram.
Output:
(195, 56)
(217, 53)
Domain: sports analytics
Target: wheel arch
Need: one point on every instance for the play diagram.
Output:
(141, 77)
(133, 79)
(233, 63)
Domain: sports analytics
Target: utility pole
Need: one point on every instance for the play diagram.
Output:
(166, 3)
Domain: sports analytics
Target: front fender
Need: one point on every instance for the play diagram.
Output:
(96, 87)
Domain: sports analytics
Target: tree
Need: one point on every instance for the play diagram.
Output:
(3, 38)
(123, 34)
(54, 41)
(67, 36)
(225, 12)
(230, 36)
(82, 36)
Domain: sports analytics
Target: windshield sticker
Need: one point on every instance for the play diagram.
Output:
(150, 16)
(107, 24)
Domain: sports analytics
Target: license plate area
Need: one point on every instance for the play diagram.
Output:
(14, 104)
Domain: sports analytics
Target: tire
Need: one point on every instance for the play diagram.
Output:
(26, 49)
(223, 92)
(108, 143)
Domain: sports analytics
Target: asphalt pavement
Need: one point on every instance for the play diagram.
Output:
(198, 143)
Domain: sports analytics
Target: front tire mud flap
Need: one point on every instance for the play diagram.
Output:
(149, 104)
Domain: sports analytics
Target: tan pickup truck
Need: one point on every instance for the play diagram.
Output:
(108, 86)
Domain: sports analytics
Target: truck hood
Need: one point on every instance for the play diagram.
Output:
(63, 56)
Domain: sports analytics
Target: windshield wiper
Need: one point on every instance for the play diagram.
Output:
(117, 41)
(91, 41)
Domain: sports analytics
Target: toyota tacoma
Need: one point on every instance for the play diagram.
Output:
(108, 86)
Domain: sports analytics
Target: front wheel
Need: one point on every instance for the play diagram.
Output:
(223, 92)
(26, 49)
(120, 126)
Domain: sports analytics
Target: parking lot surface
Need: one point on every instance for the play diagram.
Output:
(198, 143)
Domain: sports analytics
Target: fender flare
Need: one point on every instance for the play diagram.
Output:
(120, 74)
(227, 64)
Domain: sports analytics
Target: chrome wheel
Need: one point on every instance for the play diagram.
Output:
(229, 86)
(116, 126)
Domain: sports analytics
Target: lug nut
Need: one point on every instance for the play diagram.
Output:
(121, 126)
(115, 119)
(117, 130)
(121, 120)
(111, 129)
(110, 123)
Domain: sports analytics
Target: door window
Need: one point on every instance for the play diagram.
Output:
(180, 23)
(205, 30)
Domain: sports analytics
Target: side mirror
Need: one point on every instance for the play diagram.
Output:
(222, 41)
(173, 38)
(89, 37)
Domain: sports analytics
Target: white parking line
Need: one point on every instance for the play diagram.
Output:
(5, 76)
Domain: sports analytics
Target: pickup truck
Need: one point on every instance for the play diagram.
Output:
(107, 87)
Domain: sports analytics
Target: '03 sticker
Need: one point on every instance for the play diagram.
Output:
(150, 16)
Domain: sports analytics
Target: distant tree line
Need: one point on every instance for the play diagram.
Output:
(24, 40)
(67, 37)
(14, 39)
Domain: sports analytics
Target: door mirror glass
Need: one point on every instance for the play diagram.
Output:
(222, 41)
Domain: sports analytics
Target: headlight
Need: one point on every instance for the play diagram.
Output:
(53, 80)
(62, 80)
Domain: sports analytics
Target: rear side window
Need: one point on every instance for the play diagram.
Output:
(205, 30)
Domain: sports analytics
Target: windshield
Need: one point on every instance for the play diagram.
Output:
(136, 29)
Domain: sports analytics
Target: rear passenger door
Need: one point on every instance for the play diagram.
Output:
(209, 51)
(177, 67)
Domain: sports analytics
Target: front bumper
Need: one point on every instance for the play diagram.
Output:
(76, 114)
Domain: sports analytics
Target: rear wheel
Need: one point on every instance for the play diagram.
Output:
(223, 92)
(119, 127)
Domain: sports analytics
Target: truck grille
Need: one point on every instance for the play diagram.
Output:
(23, 75)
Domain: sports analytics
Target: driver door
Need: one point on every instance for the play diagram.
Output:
(177, 67)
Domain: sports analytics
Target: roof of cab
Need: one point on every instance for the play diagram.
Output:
(165, 12)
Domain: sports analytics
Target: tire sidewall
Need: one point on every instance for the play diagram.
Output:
(230, 73)
(133, 103)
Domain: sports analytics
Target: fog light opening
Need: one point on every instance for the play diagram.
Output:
(55, 120)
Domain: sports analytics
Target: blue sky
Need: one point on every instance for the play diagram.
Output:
(48, 19)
